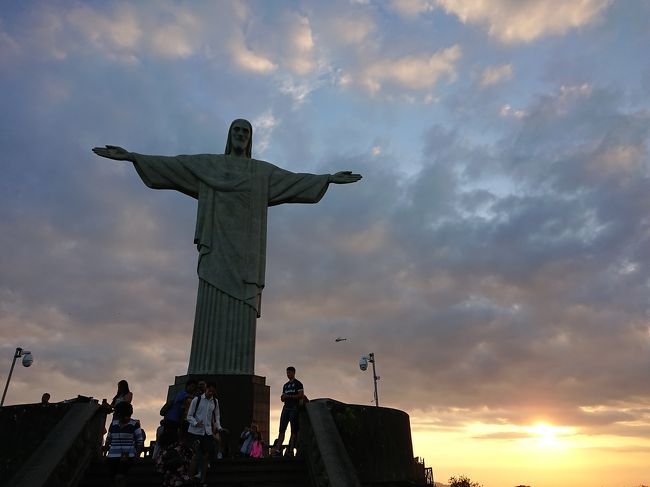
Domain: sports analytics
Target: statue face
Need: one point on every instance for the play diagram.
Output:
(240, 135)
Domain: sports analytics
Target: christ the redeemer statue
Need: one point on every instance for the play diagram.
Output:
(234, 192)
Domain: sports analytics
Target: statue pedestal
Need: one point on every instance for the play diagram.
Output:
(243, 399)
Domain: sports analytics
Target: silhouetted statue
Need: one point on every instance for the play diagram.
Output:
(234, 192)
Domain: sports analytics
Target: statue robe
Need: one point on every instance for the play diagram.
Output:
(233, 197)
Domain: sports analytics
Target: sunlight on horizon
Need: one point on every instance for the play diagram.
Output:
(541, 454)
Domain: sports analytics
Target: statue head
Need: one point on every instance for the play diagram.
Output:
(240, 138)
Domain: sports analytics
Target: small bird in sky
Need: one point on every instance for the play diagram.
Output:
(340, 339)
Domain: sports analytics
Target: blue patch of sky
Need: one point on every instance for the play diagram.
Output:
(351, 120)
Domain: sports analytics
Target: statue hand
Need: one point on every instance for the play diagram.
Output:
(344, 177)
(113, 152)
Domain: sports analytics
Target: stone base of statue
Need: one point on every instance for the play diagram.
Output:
(243, 399)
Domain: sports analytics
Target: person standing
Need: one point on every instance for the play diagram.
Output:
(174, 415)
(123, 394)
(292, 393)
(204, 422)
(125, 441)
(45, 399)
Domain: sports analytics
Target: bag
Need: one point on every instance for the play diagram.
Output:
(165, 409)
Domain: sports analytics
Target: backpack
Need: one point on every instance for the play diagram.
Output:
(214, 400)
(165, 409)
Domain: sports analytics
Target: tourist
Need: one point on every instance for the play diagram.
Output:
(159, 435)
(257, 445)
(123, 394)
(247, 436)
(175, 415)
(45, 399)
(125, 441)
(204, 421)
(292, 394)
(200, 389)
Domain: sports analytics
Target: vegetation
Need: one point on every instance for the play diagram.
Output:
(462, 481)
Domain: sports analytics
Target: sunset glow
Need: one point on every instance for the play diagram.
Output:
(548, 436)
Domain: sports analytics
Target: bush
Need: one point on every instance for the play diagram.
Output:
(462, 481)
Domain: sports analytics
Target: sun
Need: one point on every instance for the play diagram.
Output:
(546, 435)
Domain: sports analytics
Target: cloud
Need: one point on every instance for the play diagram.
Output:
(476, 286)
(413, 8)
(250, 61)
(412, 72)
(513, 22)
(119, 30)
(300, 89)
(508, 111)
(301, 45)
(128, 33)
(8, 46)
(495, 74)
(287, 42)
(347, 30)
(264, 126)
(179, 39)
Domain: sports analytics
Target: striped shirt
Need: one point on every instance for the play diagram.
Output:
(124, 438)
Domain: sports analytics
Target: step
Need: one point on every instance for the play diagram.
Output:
(266, 472)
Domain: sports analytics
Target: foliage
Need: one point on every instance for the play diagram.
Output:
(462, 481)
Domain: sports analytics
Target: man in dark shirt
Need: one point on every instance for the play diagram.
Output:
(174, 416)
(292, 393)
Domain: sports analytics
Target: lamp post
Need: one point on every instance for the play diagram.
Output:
(27, 361)
(363, 365)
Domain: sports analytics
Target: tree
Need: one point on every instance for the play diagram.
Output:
(462, 481)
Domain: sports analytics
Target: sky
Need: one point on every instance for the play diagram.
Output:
(495, 257)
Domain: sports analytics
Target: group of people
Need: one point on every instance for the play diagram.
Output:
(252, 444)
(190, 434)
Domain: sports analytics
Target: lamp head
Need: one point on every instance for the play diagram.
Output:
(28, 359)
(363, 363)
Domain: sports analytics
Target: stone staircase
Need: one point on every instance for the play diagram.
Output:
(341, 445)
(266, 472)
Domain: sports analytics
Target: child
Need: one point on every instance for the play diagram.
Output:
(248, 436)
(257, 448)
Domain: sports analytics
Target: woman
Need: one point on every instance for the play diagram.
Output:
(123, 395)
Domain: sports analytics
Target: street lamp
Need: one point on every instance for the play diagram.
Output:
(28, 360)
(363, 365)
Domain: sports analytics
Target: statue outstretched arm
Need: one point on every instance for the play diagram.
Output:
(157, 172)
(114, 152)
(344, 177)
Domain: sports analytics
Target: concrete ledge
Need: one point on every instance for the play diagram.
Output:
(339, 468)
(40, 466)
